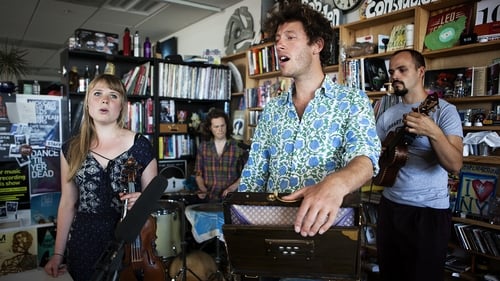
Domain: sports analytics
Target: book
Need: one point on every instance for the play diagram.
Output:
(493, 80)
(397, 39)
(444, 28)
(487, 24)
(167, 111)
(476, 189)
(239, 124)
(381, 46)
(376, 74)
(457, 264)
(476, 80)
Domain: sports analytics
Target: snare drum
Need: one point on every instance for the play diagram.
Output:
(168, 229)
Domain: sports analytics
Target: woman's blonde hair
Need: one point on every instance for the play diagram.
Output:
(79, 145)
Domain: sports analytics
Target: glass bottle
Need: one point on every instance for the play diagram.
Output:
(96, 71)
(36, 88)
(86, 77)
(73, 79)
(459, 86)
(147, 48)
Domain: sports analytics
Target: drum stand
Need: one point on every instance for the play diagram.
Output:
(183, 270)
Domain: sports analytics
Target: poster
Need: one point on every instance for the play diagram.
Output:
(18, 250)
(476, 190)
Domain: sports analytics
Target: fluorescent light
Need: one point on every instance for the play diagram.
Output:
(192, 4)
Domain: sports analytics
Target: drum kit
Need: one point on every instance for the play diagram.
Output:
(172, 246)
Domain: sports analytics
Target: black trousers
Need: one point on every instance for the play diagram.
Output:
(412, 242)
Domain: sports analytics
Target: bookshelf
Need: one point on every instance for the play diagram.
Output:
(187, 87)
(475, 54)
(269, 76)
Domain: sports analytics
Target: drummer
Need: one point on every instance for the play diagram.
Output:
(219, 159)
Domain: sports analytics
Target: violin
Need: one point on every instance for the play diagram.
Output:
(140, 261)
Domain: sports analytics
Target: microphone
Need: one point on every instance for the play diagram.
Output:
(128, 229)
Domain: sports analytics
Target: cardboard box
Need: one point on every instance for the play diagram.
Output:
(173, 128)
(97, 41)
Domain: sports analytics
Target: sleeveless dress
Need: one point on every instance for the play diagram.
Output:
(99, 208)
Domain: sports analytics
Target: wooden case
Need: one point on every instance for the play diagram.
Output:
(277, 251)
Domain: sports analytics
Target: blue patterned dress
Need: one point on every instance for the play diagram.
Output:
(99, 208)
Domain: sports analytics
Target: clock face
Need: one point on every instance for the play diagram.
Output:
(347, 5)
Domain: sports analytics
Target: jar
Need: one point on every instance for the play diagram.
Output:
(100, 42)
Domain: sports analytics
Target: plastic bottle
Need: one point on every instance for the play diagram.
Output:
(73, 79)
(137, 48)
(126, 42)
(147, 48)
(36, 88)
(459, 86)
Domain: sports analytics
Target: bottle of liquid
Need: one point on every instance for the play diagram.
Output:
(147, 48)
(137, 48)
(158, 50)
(86, 77)
(459, 86)
(73, 79)
(126, 42)
(96, 71)
(36, 88)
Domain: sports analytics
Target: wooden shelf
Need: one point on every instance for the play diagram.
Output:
(488, 160)
(476, 99)
(476, 223)
(481, 128)
(463, 50)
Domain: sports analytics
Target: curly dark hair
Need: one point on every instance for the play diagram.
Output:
(316, 26)
(212, 114)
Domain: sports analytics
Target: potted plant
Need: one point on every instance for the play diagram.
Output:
(13, 65)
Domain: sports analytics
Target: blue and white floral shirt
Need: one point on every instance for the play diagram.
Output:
(288, 153)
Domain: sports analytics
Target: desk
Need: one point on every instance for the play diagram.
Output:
(34, 274)
(206, 221)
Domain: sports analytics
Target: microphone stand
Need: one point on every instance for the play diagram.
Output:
(184, 268)
(109, 262)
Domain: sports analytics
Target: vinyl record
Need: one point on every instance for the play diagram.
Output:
(238, 81)
(445, 36)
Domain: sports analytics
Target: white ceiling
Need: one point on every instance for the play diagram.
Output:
(44, 26)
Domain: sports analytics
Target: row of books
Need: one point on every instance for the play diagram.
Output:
(204, 82)
(176, 146)
(137, 80)
(261, 95)
(478, 239)
(140, 116)
(262, 60)
(368, 74)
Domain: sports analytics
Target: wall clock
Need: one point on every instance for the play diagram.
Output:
(347, 5)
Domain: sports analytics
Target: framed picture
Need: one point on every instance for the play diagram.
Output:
(475, 192)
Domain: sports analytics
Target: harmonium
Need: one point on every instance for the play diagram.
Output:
(261, 241)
